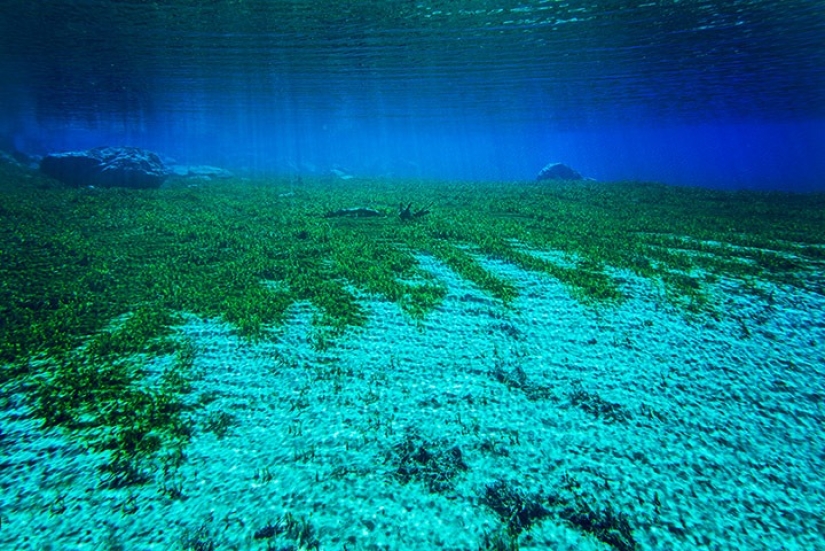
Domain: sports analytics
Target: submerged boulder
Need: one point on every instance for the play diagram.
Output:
(341, 174)
(200, 172)
(558, 171)
(19, 159)
(129, 167)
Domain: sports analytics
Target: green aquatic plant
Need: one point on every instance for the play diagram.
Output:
(219, 423)
(202, 538)
(93, 281)
(597, 406)
(246, 253)
(433, 463)
(517, 509)
(290, 529)
(102, 391)
(606, 524)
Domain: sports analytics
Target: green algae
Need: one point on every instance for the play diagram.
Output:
(72, 260)
(93, 281)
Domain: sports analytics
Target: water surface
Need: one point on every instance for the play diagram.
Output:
(698, 93)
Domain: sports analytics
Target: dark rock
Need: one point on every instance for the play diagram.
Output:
(558, 171)
(341, 174)
(129, 167)
(200, 172)
(8, 159)
(20, 159)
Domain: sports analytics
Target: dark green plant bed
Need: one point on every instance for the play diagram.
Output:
(73, 260)
(92, 281)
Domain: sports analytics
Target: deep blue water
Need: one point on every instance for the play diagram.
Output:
(710, 93)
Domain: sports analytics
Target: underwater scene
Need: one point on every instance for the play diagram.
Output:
(372, 275)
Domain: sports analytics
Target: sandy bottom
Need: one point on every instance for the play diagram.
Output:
(698, 433)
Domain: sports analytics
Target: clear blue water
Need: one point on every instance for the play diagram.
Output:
(725, 94)
(549, 421)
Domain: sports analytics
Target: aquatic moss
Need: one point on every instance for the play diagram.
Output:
(93, 281)
(73, 260)
(105, 392)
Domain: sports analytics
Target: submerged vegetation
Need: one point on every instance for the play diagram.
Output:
(93, 280)
(74, 260)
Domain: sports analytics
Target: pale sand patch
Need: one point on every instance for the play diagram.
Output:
(719, 421)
